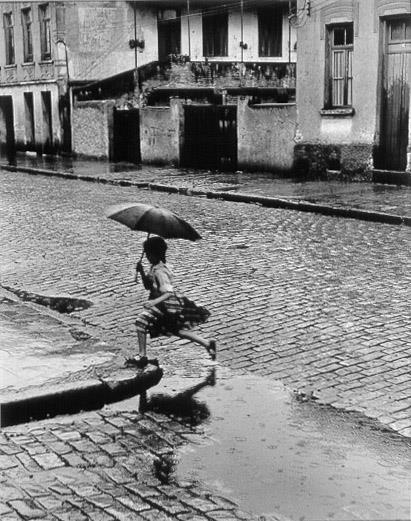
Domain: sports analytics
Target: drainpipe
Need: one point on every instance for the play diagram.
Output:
(189, 30)
(242, 40)
(136, 85)
(289, 33)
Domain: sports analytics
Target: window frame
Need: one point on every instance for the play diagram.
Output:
(343, 78)
(45, 31)
(214, 41)
(27, 23)
(266, 15)
(8, 23)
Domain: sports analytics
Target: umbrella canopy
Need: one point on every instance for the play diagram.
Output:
(152, 219)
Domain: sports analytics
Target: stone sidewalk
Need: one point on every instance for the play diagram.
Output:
(101, 466)
(347, 198)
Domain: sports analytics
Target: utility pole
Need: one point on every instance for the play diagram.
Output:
(189, 30)
(136, 78)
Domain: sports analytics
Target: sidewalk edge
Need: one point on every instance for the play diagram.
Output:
(72, 398)
(269, 202)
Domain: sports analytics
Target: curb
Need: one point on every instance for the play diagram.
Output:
(68, 399)
(269, 202)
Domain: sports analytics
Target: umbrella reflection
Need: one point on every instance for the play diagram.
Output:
(183, 405)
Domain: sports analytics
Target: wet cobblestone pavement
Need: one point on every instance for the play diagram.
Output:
(320, 303)
(316, 302)
(384, 198)
(103, 466)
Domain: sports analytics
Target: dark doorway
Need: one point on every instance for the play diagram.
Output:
(7, 139)
(126, 135)
(396, 88)
(169, 33)
(47, 122)
(29, 120)
(210, 137)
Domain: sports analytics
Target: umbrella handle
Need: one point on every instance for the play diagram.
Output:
(140, 259)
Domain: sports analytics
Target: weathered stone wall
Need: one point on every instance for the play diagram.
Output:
(266, 136)
(97, 35)
(92, 128)
(161, 135)
(352, 161)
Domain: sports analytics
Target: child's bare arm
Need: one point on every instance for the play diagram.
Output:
(146, 280)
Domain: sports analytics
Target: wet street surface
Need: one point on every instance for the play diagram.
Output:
(391, 199)
(272, 453)
(315, 303)
(220, 445)
(32, 343)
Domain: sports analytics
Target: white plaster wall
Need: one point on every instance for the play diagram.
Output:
(359, 128)
(250, 36)
(17, 92)
(98, 39)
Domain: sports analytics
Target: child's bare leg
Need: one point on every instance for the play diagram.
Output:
(210, 345)
(142, 343)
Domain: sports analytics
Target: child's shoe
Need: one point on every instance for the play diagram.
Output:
(141, 363)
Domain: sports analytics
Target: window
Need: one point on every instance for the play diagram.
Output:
(399, 31)
(9, 35)
(29, 118)
(26, 21)
(215, 34)
(45, 39)
(270, 32)
(339, 66)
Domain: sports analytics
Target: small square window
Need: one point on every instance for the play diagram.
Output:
(343, 35)
(397, 30)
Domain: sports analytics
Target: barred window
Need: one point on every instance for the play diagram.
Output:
(26, 20)
(9, 36)
(339, 66)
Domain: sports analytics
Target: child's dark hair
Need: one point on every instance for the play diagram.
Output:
(156, 245)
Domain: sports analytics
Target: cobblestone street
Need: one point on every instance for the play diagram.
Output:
(319, 303)
(103, 467)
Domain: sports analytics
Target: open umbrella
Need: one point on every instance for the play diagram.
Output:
(153, 220)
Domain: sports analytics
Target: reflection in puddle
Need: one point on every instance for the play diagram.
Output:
(182, 405)
(271, 453)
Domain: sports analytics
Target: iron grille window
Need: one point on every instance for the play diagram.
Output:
(26, 20)
(9, 36)
(215, 34)
(45, 38)
(339, 65)
(270, 32)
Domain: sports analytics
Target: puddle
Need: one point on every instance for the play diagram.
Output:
(273, 454)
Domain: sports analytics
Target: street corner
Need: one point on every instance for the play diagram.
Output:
(76, 396)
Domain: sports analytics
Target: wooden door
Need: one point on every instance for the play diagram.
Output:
(395, 113)
(7, 138)
(126, 135)
(210, 137)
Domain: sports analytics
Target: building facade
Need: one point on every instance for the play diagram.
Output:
(32, 78)
(353, 86)
(56, 55)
